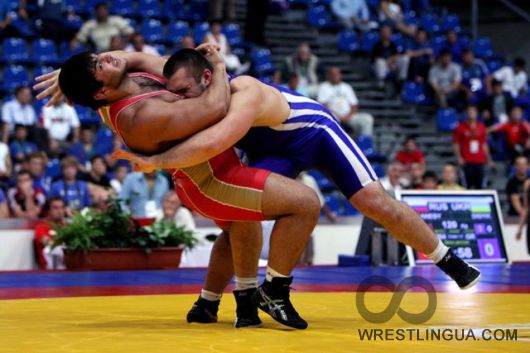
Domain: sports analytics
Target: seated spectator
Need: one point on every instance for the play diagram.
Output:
(391, 182)
(215, 36)
(85, 148)
(476, 79)
(6, 20)
(416, 176)
(429, 181)
(516, 134)
(142, 193)
(305, 65)
(386, 58)
(410, 153)
(340, 99)
(18, 111)
(37, 168)
(421, 57)
(445, 78)
(471, 150)
(138, 45)
(6, 165)
(73, 191)
(450, 178)
(55, 214)
(98, 172)
(454, 46)
(514, 79)
(497, 106)
(20, 148)
(53, 167)
(25, 201)
(390, 13)
(118, 43)
(294, 85)
(173, 211)
(47, 17)
(61, 121)
(515, 186)
(103, 27)
(187, 42)
(4, 210)
(353, 14)
(120, 173)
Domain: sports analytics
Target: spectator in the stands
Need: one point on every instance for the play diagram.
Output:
(513, 78)
(339, 97)
(390, 13)
(450, 178)
(222, 10)
(454, 46)
(496, 107)
(6, 20)
(18, 111)
(62, 122)
(98, 172)
(305, 65)
(415, 177)
(429, 181)
(142, 193)
(173, 211)
(353, 14)
(70, 188)
(294, 85)
(476, 79)
(421, 57)
(84, 149)
(103, 27)
(391, 182)
(445, 78)
(4, 209)
(55, 153)
(187, 42)
(515, 187)
(20, 148)
(25, 200)
(117, 43)
(410, 153)
(516, 133)
(6, 165)
(215, 36)
(47, 17)
(55, 215)
(386, 58)
(37, 168)
(138, 45)
(120, 173)
(471, 149)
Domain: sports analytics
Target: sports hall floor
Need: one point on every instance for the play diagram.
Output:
(144, 311)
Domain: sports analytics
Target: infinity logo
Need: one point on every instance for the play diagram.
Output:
(393, 306)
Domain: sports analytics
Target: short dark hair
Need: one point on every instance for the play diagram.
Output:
(99, 4)
(97, 156)
(445, 52)
(519, 62)
(24, 172)
(194, 61)
(430, 175)
(496, 82)
(20, 89)
(77, 80)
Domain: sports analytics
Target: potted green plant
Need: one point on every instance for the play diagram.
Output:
(112, 240)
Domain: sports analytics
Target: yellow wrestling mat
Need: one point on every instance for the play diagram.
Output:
(156, 323)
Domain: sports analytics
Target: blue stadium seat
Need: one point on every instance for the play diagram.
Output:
(410, 18)
(366, 144)
(368, 41)
(132, 22)
(38, 104)
(450, 23)
(348, 209)
(161, 49)
(149, 9)
(319, 16)
(200, 30)
(104, 140)
(233, 34)
(15, 50)
(334, 202)
(176, 31)
(482, 48)
(399, 41)
(430, 23)
(262, 61)
(373, 3)
(14, 76)
(66, 52)
(348, 41)
(75, 6)
(153, 31)
(494, 64)
(91, 5)
(239, 52)
(173, 7)
(378, 169)
(437, 44)
(446, 119)
(199, 10)
(323, 182)
(414, 93)
(44, 52)
(41, 71)
(23, 26)
(87, 116)
(124, 8)
(73, 22)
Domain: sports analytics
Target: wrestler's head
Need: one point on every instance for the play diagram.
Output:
(90, 79)
(188, 73)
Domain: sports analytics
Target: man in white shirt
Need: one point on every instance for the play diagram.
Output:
(340, 99)
(60, 120)
(138, 45)
(18, 111)
(514, 80)
(172, 210)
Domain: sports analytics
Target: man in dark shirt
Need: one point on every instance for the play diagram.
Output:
(386, 58)
(475, 78)
(514, 187)
(421, 57)
(497, 106)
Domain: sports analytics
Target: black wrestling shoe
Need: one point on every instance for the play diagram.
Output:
(203, 311)
(273, 298)
(246, 311)
(465, 275)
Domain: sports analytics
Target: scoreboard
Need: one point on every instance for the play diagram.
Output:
(469, 222)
